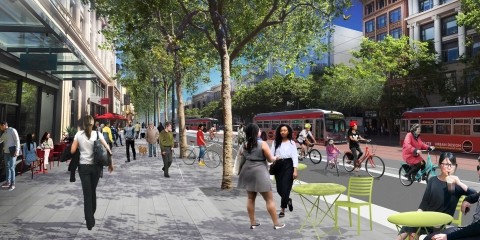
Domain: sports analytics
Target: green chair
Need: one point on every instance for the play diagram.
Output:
(458, 221)
(357, 187)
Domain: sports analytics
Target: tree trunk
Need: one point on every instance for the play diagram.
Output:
(227, 119)
(165, 104)
(180, 108)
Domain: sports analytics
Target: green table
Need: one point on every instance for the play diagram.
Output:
(420, 220)
(318, 190)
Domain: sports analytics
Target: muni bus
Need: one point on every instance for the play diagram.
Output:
(450, 128)
(192, 123)
(325, 123)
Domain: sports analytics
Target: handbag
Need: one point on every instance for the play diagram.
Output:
(239, 161)
(275, 167)
(12, 150)
(100, 154)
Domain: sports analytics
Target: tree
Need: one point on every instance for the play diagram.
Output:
(278, 30)
(470, 14)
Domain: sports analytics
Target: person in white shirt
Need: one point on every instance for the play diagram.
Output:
(285, 149)
(11, 150)
(89, 172)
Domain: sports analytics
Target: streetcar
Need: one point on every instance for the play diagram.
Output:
(448, 128)
(192, 123)
(325, 124)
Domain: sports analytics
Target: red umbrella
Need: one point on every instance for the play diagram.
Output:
(110, 116)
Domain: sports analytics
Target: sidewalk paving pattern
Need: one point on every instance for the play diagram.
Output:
(137, 202)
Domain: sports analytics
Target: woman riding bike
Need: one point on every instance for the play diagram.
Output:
(411, 150)
(353, 143)
(305, 139)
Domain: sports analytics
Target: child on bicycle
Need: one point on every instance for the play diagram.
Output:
(305, 139)
(411, 150)
(332, 153)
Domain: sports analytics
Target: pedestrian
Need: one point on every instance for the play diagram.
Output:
(120, 134)
(201, 144)
(152, 139)
(30, 150)
(98, 127)
(89, 172)
(142, 132)
(137, 130)
(11, 150)
(166, 146)
(254, 176)
(440, 196)
(285, 149)
(107, 135)
(129, 133)
(46, 143)
(263, 136)
(114, 131)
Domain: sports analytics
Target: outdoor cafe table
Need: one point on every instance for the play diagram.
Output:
(420, 219)
(318, 190)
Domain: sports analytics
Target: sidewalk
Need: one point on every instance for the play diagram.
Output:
(137, 202)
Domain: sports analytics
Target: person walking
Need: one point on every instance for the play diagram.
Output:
(152, 139)
(129, 133)
(47, 145)
(89, 172)
(201, 144)
(254, 176)
(120, 134)
(285, 149)
(11, 150)
(166, 146)
(107, 135)
(114, 131)
(137, 130)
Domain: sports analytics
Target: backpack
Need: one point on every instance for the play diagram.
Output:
(298, 135)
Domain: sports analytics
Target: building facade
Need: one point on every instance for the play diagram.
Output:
(384, 17)
(52, 70)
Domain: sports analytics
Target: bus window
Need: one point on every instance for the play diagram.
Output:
(461, 127)
(443, 126)
(403, 126)
(297, 125)
(319, 133)
(260, 124)
(286, 122)
(275, 125)
(476, 126)
(266, 124)
(427, 125)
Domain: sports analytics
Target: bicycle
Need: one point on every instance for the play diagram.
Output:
(333, 164)
(425, 174)
(313, 154)
(211, 158)
(374, 165)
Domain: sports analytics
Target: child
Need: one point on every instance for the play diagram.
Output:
(332, 153)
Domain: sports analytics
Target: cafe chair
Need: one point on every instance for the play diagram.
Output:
(458, 221)
(41, 158)
(357, 187)
(57, 152)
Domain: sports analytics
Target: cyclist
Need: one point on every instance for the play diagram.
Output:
(353, 143)
(211, 132)
(411, 150)
(306, 139)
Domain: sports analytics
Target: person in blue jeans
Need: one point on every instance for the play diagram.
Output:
(11, 149)
(201, 144)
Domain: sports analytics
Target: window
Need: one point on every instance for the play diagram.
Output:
(450, 52)
(395, 15)
(474, 48)
(427, 125)
(396, 33)
(369, 9)
(425, 5)
(476, 126)
(297, 125)
(260, 124)
(449, 26)
(382, 21)
(369, 26)
(380, 4)
(461, 127)
(427, 32)
(443, 126)
(381, 36)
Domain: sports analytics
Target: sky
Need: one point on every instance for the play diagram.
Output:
(354, 22)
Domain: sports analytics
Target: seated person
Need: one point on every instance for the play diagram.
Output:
(437, 197)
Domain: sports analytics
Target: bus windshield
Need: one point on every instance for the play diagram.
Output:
(334, 125)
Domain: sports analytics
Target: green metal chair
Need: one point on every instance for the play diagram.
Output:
(357, 187)
(458, 221)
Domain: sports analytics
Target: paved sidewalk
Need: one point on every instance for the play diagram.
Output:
(137, 202)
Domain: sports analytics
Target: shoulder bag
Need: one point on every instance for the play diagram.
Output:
(100, 154)
(239, 161)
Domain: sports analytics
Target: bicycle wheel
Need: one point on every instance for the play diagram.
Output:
(212, 159)
(315, 156)
(190, 157)
(375, 167)
(347, 163)
(402, 175)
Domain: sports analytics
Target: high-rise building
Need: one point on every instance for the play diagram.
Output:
(384, 17)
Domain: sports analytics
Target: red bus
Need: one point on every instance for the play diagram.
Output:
(192, 123)
(325, 123)
(450, 128)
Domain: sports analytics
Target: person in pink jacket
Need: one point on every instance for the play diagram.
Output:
(411, 150)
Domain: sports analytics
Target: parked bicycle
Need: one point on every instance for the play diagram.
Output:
(425, 174)
(374, 165)
(212, 159)
(313, 154)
